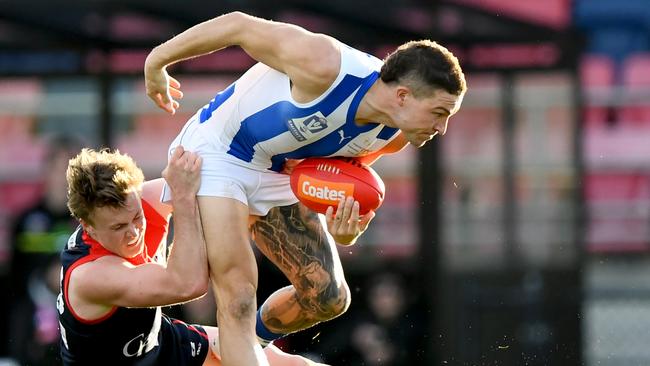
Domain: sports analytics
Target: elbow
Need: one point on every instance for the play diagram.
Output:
(189, 293)
(236, 15)
(190, 289)
(236, 18)
(202, 287)
(198, 288)
(233, 25)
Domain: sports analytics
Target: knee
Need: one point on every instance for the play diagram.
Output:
(333, 302)
(237, 301)
(242, 305)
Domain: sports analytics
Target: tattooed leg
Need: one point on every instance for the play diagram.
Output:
(293, 238)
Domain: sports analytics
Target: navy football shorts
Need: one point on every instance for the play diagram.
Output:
(182, 343)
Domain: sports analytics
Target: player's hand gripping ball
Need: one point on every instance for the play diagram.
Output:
(322, 182)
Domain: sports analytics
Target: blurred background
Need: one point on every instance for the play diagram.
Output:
(520, 238)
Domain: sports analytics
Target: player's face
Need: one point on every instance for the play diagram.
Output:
(421, 119)
(121, 229)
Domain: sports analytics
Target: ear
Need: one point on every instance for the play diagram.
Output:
(87, 227)
(401, 92)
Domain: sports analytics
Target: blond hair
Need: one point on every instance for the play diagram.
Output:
(98, 179)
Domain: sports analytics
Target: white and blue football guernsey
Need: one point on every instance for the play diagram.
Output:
(255, 124)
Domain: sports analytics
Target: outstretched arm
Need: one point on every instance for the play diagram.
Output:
(279, 45)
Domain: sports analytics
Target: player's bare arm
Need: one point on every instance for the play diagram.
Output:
(311, 61)
(97, 286)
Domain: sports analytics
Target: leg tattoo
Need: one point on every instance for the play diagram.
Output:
(293, 239)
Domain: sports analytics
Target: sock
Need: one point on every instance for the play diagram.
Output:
(264, 335)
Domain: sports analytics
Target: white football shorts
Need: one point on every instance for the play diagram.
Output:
(223, 176)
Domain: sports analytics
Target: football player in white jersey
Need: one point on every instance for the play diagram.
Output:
(309, 95)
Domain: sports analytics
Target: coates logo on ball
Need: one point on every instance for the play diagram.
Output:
(322, 182)
(322, 191)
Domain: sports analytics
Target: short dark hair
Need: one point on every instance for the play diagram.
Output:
(424, 66)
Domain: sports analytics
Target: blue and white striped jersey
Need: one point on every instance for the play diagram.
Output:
(256, 122)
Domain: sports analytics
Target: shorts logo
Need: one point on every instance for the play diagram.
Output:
(304, 128)
(321, 191)
(194, 349)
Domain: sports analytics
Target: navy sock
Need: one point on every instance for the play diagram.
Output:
(264, 335)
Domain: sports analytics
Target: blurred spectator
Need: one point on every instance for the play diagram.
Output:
(387, 332)
(38, 235)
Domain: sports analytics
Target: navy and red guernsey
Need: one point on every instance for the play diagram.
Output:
(125, 336)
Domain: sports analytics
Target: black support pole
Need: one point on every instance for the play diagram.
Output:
(510, 202)
(105, 106)
(430, 193)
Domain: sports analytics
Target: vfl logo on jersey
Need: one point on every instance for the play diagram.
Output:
(304, 128)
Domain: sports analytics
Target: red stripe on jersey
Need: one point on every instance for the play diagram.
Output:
(66, 281)
(191, 327)
(155, 234)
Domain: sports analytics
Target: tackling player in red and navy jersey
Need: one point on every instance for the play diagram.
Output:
(116, 273)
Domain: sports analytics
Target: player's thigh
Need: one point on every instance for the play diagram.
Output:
(294, 239)
(277, 357)
(227, 239)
